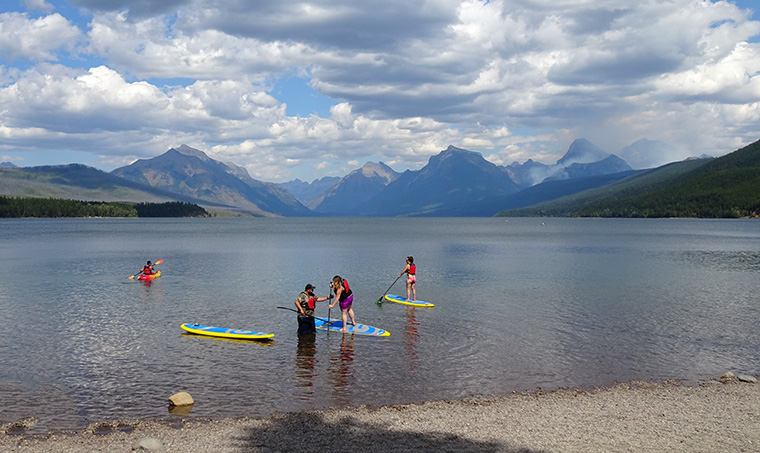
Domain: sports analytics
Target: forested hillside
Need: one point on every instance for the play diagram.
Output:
(56, 207)
(726, 187)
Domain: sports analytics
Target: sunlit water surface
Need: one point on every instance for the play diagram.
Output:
(520, 305)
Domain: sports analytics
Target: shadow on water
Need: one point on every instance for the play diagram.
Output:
(308, 432)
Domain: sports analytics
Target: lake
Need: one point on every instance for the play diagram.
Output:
(521, 304)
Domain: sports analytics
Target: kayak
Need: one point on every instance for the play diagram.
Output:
(413, 303)
(150, 277)
(223, 332)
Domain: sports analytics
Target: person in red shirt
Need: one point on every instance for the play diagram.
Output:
(411, 278)
(148, 269)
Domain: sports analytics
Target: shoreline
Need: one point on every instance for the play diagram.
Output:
(721, 414)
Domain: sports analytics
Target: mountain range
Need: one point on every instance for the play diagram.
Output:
(191, 172)
(455, 182)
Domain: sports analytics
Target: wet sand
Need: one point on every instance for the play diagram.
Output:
(715, 416)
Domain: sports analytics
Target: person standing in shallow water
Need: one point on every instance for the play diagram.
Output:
(411, 278)
(345, 297)
(305, 303)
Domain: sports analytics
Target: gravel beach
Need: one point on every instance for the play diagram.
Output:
(716, 416)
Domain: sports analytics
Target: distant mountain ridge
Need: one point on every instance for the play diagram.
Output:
(454, 176)
(306, 192)
(460, 182)
(191, 172)
(352, 191)
(455, 182)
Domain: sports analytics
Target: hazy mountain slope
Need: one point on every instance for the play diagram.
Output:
(540, 193)
(582, 151)
(582, 159)
(640, 182)
(306, 192)
(352, 191)
(609, 165)
(725, 187)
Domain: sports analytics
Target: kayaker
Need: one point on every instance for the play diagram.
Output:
(411, 278)
(345, 297)
(305, 303)
(148, 269)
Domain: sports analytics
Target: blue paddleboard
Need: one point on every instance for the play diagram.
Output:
(361, 329)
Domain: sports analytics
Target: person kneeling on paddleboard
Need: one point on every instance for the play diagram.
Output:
(305, 303)
(345, 297)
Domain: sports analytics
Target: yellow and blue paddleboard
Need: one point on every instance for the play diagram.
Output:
(414, 303)
(222, 332)
(361, 329)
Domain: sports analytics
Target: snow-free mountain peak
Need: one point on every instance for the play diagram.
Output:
(379, 170)
(582, 151)
(189, 171)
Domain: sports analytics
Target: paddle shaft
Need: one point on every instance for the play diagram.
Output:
(328, 307)
(327, 321)
(379, 301)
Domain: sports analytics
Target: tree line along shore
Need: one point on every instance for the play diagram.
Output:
(18, 207)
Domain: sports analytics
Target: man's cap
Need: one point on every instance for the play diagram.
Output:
(309, 286)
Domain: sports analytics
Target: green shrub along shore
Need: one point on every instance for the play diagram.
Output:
(14, 207)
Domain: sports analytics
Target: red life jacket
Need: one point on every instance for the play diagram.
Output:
(412, 269)
(146, 270)
(346, 291)
(312, 302)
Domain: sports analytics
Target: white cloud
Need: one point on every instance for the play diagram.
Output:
(39, 5)
(514, 79)
(35, 39)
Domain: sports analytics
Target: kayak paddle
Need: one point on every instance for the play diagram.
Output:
(380, 300)
(133, 276)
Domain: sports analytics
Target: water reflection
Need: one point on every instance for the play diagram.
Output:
(306, 352)
(411, 337)
(259, 342)
(342, 370)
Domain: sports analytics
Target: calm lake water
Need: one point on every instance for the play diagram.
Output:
(519, 306)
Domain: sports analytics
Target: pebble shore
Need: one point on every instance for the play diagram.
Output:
(721, 415)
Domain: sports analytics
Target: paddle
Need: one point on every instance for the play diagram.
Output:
(380, 300)
(328, 306)
(326, 321)
(133, 276)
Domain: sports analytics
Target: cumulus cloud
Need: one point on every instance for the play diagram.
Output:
(514, 79)
(35, 39)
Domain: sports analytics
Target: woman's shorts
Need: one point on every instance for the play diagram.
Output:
(346, 304)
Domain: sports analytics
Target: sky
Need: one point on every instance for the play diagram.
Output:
(306, 89)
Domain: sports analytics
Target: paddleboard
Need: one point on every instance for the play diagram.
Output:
(361, 329)
(414, 303)
(223, 332)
